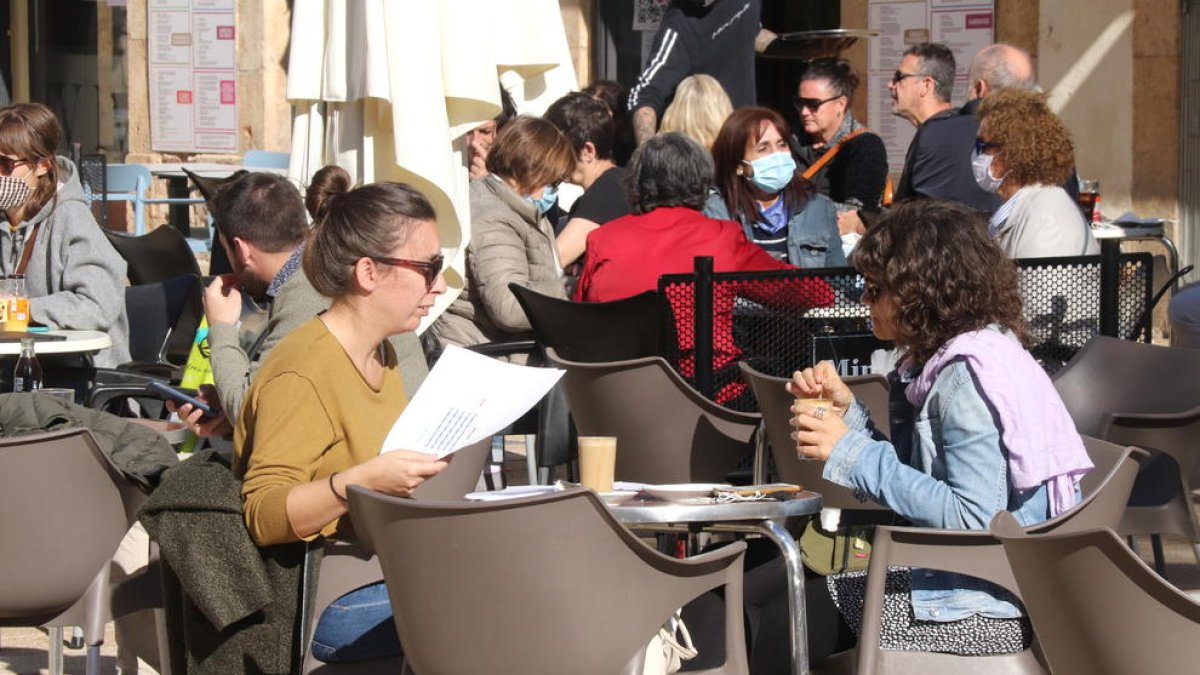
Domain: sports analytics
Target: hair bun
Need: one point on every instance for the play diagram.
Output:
(327, 184)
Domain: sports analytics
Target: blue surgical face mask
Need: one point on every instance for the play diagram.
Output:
(773, 172)
(981, 166)
(546, 201)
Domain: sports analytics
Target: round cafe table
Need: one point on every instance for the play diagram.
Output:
(763, 517)
(76, 342)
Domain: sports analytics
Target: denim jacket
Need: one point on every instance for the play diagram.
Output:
(812, 240)
(948, 469)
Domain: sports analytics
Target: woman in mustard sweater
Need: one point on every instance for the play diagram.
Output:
(319, 409)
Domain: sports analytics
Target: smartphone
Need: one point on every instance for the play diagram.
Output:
(180, 396)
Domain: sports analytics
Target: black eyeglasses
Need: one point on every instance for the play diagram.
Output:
(7, 164)
(982, 145)
(801, 103)
(430, 269)
(898, 77)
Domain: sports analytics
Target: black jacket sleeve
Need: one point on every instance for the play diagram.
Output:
(670, 62)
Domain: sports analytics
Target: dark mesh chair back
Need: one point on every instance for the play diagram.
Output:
(598, 331)
(92, 175)
(157, 255)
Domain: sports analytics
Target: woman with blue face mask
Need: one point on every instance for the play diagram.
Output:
(512, 240)
(760, 188)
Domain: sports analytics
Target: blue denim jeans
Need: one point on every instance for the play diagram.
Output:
(356, 627)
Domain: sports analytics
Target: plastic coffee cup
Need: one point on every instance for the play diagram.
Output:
(597, 462)
(822, 403)
(64, 395)
(819, 403)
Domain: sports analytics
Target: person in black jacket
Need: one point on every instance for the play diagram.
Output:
(938, 163)
(855, 173)
(714, 37)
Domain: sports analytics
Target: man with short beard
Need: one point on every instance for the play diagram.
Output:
(261, 223)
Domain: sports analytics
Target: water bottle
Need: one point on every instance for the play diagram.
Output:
(27, 375)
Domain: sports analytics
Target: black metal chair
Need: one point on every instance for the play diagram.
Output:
(218, 262)
(592, 332)
(92, 170)
(157, 255)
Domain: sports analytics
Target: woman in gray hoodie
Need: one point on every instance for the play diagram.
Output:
(74, 278)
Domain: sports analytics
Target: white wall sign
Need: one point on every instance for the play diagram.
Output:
(192, 52)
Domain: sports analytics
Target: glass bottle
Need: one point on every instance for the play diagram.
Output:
(27, 375)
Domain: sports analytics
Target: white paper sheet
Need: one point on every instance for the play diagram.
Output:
(467, 397)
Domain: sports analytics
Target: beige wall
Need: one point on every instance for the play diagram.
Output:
(1086, 65)
(577, 21)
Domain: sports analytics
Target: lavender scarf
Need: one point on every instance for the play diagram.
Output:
(1043, 445)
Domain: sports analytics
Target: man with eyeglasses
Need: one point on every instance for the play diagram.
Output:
(261, 222)
(938, 163)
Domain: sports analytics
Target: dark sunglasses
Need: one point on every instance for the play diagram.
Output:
(801, 103)
(430, 269)
(898, 77)
(981, 145)
(7, 164)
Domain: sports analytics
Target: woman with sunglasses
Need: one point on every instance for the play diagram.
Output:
(760, 187)
(839, 155)
(1024, 154)
(512, 240)
(976, 425)
(320, 406)
(73, 276)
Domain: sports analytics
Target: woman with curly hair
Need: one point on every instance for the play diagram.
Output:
(984, 430)
(1024, 153)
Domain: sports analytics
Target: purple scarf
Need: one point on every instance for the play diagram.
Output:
(1043, 445)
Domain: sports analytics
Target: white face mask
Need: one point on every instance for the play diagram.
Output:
(981, 166)
(14, 191)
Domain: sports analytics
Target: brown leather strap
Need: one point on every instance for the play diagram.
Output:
(830, 154)
(27, 252)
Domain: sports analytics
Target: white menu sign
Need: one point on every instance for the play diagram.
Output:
(193, 75)
(965, 26)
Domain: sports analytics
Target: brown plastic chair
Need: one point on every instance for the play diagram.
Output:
(547, 584)
(346, 566)
(667, 432)
(775, 403)
(1138, 394)
(978, 554)
(1096, 607)
(66, 509)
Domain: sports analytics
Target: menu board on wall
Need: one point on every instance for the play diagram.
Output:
(191, 47)
(965, 26)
